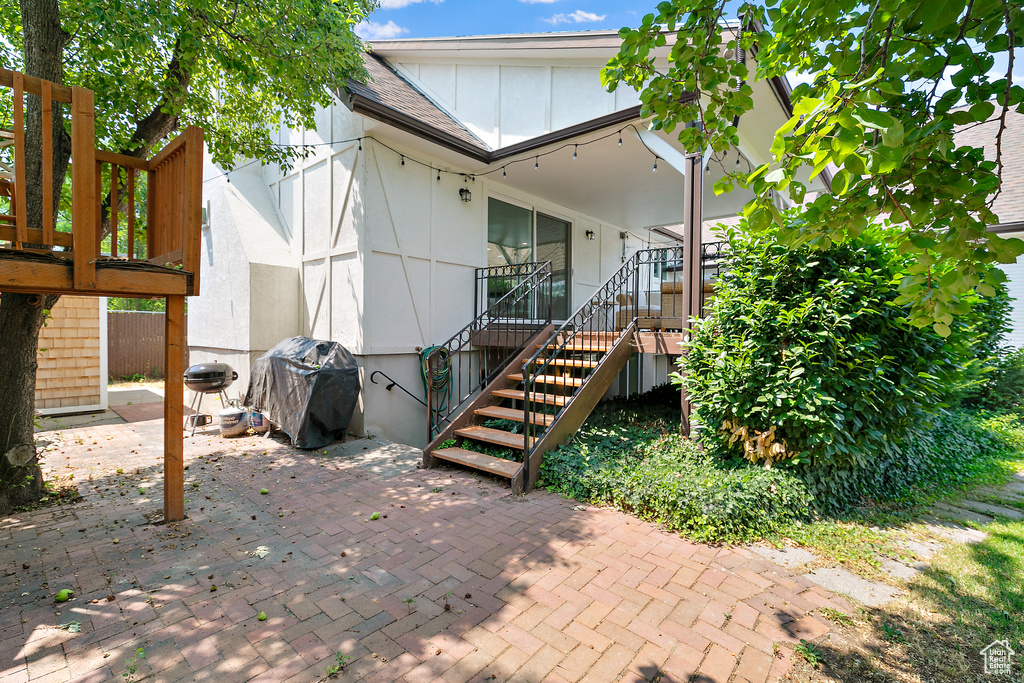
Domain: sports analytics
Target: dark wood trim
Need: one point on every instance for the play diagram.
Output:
(393, 117)
(579, 407)
(1001, 228)
(593, 125)
(376, 110)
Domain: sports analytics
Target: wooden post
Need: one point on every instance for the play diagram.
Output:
(84, 192)
(193, 189)
(693, 219)
(174, 398)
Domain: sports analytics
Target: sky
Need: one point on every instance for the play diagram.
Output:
(434, 18)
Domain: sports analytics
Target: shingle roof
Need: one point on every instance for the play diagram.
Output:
(1009, 205)
(387, 88)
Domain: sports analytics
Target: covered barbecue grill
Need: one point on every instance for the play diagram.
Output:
(306, 387)
(207, 378)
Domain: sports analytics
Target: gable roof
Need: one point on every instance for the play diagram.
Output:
(391, 98)
(388, 97)
(1009, 205)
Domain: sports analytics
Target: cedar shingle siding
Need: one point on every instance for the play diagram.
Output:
(69, 357)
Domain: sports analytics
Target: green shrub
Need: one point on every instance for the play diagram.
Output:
(630, 454)
(807, 356)
(945, 453)
(1002, 386)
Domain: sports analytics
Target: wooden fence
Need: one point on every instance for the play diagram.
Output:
(135, 344)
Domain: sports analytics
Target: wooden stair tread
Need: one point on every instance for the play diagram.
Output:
(566, 362)
(519, 395)
(513, 415)
(479, 461)
(585, 347)
(498, 437)
(551, 379)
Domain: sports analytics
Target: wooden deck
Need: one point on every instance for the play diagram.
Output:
(658, 343)
(133, 229)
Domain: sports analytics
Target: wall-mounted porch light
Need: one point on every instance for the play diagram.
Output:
(466, 195)
(590, 234)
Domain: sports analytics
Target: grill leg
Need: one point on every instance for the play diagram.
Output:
(199, 409)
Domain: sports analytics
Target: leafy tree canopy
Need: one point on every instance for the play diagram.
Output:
(236, 68)
(892, 81)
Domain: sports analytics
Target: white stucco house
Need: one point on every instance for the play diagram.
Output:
(457, 154)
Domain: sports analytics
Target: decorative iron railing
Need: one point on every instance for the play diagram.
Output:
(645, 293)
(494, 282)
(455, 371)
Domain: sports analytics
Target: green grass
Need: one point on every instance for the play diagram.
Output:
(981, 585)
(630, 455)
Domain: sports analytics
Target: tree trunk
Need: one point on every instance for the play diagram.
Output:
(22, 315)
(21, 318)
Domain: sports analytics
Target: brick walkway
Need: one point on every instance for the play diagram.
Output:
(537, 590)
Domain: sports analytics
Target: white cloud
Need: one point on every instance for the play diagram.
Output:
(577, 17)
(399, 4)
(371, 30)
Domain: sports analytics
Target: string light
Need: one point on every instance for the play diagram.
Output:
(655, 169)
(574, 152)
(504, 168)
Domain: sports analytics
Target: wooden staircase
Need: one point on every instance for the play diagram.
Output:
(489, 433)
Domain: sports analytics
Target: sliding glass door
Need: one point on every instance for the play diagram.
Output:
(553, 245)
(515, 235)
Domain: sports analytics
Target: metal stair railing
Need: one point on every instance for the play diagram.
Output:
(456, 370)
(646, 292)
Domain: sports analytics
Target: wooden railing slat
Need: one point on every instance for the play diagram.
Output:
(47, 109)
(60, 239)
(21, 219)
(114, 209)
(172, 147)
(99, 208)
(152, 198)
(122, 160)
(83, 187)
(61, 93)
(194, 205)
(131, 214)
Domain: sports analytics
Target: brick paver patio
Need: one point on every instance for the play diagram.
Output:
(537, 588)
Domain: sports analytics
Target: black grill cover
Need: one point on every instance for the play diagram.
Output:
(306, 387)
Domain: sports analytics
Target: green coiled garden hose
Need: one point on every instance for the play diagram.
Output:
(438, 378)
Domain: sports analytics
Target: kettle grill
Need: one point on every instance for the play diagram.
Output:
(207, 378)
